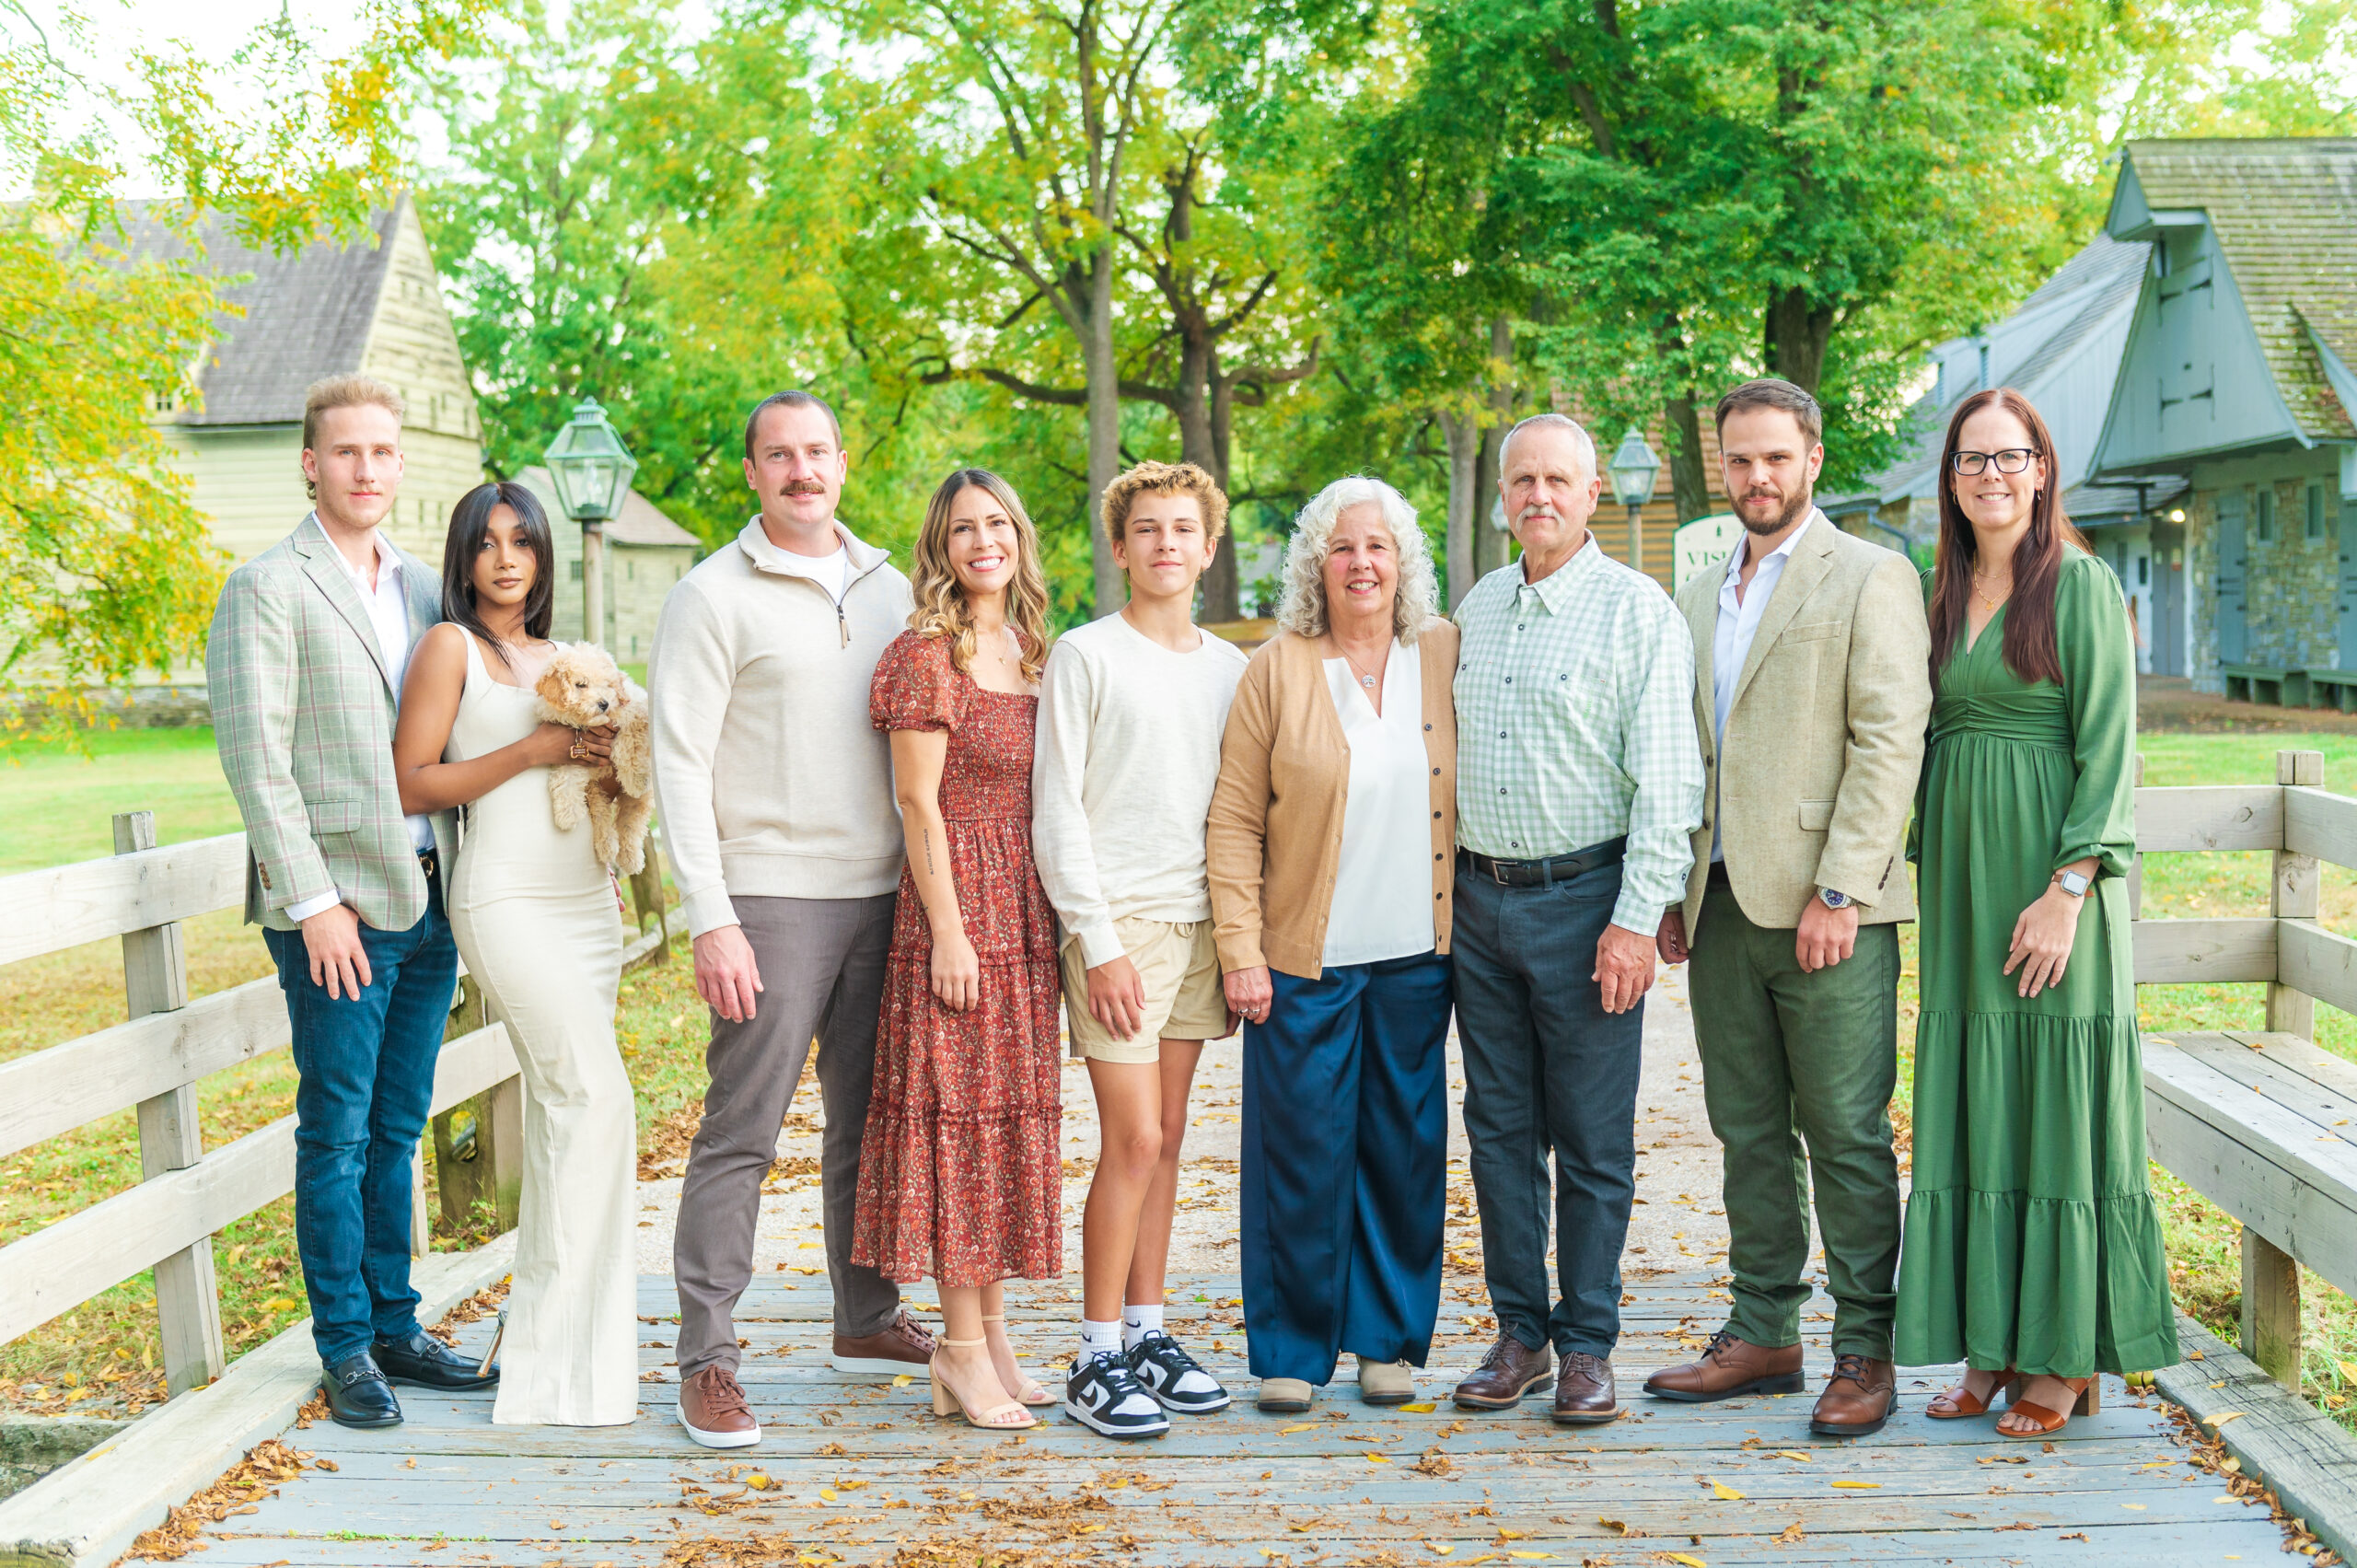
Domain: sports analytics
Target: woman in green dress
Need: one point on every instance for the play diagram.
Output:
(2033, 1248)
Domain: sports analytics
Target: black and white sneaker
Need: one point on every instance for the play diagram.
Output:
(1173, 1377)
(1105, 1396)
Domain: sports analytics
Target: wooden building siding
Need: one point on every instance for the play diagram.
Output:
(2194, 379)
(412, 345)
(248, 483)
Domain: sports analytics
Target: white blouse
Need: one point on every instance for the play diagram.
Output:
(1383, 890)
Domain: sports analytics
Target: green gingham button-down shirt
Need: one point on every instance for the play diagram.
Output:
(1575, 724)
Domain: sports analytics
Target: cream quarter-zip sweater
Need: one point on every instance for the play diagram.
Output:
(769, 780)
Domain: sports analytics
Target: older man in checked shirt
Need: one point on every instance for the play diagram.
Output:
(1579, 784)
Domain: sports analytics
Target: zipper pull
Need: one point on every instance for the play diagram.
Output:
(841, 624)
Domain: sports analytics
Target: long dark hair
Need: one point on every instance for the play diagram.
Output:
(2029, 645)
(469, 525)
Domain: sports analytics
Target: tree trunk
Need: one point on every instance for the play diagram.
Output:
(1797, 335)
(1493, 546)
(1104, 428)
(1689, 484)
(1463, 434)
(1202, 441)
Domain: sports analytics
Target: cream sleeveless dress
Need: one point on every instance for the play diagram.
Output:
(534, 916)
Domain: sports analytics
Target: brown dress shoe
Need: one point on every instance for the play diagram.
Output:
(1510, 1370)
(898, 1346)
(1584, 1395)
(713, 1409)
(1857, 1400)
(1729, 1368)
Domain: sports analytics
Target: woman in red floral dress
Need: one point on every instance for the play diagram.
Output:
(960, 1175)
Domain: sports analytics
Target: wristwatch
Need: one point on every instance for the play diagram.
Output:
(1832, 900)
(2071, 883)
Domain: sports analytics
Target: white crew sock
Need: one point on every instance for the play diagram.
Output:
(1099, 1338)
(1137, 1322)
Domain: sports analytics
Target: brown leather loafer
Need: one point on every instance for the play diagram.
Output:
(1857, 1399)
(1584, 1394)
(1510, 1370)
(1730, 1368)
(900, 1345)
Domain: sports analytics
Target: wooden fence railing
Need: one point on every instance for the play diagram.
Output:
(155, 1060)
(2261, 1123)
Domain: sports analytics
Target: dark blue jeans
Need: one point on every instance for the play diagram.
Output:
(365, 1066)
(1345, 1167)
(1547, 1071)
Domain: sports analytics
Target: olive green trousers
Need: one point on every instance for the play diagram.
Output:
(1797, 1074)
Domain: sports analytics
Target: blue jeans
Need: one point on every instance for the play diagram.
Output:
(1345, 1167)
(1546, 1071)
(366, 1067)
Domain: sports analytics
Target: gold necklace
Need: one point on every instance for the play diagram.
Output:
(1988, 603)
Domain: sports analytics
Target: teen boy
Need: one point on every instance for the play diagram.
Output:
(1130, 714)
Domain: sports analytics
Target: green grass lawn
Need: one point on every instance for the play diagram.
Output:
(60, 804)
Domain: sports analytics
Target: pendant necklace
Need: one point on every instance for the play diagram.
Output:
(1364, 678)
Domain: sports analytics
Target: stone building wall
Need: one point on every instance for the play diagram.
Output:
(2293, 584)
(2200, 591)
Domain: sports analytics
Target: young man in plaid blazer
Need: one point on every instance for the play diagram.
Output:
(305, 666)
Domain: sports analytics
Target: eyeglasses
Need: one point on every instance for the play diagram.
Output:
(2013, 459)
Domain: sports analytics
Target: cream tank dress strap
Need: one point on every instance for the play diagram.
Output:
(535, 920)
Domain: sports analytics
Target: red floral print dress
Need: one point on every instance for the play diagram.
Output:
(960, 1174)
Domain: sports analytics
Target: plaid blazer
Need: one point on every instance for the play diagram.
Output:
(303, 713)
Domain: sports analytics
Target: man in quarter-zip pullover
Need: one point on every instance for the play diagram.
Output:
(777, 800)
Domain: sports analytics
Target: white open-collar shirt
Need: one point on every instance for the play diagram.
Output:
(1739, 614)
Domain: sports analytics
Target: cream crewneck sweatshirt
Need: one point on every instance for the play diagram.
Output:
(769, 779)
(1121, 778)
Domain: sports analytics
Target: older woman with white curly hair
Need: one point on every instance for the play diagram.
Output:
(1330, 851)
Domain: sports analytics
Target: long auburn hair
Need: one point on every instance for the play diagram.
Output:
(941, 610)
(2030, 651)
(469, 524)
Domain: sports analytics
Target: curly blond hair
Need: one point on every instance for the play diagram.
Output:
(941, 608)
(1302, 607)
(1164, 479)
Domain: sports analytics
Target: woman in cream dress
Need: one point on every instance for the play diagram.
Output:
(537, 921)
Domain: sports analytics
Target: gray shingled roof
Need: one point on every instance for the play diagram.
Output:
(306, 316)
(2285, 213)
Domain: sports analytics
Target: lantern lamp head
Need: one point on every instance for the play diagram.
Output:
(590, 467)
(1633, 468)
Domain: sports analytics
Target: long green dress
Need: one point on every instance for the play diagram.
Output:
(2032, 1240)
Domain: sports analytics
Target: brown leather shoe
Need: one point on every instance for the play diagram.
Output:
(1857, 1399)
(1584, 1395)
(1729, 1368)
(1510, 1370)
(713, 1409)
(896, 1347)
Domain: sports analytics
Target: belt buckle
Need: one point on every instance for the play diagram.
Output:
(1498, 872)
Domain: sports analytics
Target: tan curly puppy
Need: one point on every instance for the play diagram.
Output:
(583, 687)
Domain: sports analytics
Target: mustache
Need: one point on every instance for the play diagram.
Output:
(802, 487)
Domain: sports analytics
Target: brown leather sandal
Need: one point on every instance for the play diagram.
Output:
(2084, 1401)
(1958, 1404)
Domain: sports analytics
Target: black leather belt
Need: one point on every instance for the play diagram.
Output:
(1541, 873)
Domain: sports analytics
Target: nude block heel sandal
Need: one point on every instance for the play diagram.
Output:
(1032, 1393)
(946, 1400)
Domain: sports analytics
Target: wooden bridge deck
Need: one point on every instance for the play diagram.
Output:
(858, 1472)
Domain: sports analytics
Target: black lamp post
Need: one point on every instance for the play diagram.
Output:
(591, 471)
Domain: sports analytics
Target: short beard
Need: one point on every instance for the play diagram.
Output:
(1795, 508)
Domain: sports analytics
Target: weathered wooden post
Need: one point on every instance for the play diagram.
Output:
(646, 895)
(489, 1169)
(187, 1298)
(2271, 1314)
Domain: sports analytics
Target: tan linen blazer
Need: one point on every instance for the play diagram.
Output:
(1274, 840)
(1824, 735)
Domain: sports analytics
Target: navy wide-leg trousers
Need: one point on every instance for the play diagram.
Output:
(1345, 1155)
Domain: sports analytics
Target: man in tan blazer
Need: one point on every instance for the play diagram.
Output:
(1811, 695)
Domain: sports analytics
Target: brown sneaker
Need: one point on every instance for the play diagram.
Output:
(1510, 1370)
(1584, 1395)
(1857, 1399)
(713, 1409)
(1729, 1368)
(900, 1345)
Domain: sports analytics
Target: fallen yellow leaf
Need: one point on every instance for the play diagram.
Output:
(1859, 1485)
(1725, 1493)
(1689, 1561)
(1087, 1530)
(902, 1381)
(1440, 1547)
(1613, 1525)
(2348, 1370)
(2221, 1418)
(1512, 1534)
(826, 1493)
(1533, 1554)
(1791, 1454)
(1425, 1408)
(761, 1482)
(1378, 1458)
(1297, 1426)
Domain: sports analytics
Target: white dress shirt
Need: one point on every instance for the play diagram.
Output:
(387, 609)
(1383, 904)
(1739, 612)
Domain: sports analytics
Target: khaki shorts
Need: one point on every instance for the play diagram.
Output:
(1179, 968)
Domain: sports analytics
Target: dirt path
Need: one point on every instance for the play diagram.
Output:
(1677, 1223)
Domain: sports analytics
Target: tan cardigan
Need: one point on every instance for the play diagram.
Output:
(1275, 836)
